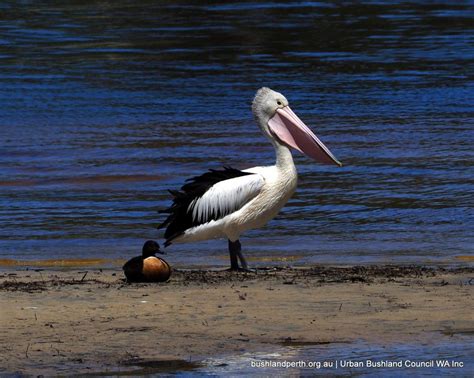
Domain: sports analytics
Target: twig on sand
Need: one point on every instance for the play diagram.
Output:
(26, 352)
(84, 276)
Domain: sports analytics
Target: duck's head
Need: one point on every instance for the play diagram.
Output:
(281, 125)
(150, 248)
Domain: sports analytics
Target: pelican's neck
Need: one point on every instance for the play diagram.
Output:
(284, 159)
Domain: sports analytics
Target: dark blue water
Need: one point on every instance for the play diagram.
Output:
(106, 105)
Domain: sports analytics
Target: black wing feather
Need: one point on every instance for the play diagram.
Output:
(179, 219)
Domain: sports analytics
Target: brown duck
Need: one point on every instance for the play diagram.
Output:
(147, 267)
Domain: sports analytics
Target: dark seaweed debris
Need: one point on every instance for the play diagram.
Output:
(367, 274)
(278, 275)
(318, 274)
(29, 287)
(38, 286)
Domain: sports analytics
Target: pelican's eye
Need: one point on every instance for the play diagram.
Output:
(279, 102)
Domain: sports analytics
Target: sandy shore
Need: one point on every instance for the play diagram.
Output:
(57, 322)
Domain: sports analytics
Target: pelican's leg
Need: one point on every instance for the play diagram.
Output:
(243, 263)
(234, 250)
(236, 256)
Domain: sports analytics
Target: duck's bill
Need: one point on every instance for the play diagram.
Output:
(290, 130)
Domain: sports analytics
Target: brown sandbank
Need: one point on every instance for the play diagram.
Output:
(63, 322)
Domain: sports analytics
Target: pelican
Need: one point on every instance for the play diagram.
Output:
(227, 202)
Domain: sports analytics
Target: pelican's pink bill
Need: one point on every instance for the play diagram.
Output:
(294, 133)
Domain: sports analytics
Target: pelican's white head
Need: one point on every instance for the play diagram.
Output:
(264, 106)
(281, 124)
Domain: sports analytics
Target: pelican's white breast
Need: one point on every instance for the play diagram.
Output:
(279, 185)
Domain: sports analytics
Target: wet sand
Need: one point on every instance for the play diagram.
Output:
(78, 321)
